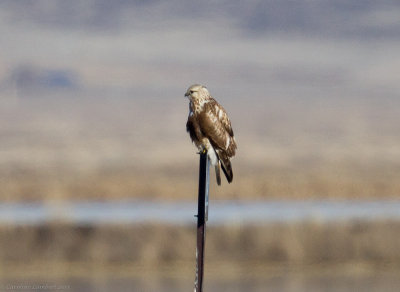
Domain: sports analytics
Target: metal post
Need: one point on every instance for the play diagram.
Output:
(202, 217)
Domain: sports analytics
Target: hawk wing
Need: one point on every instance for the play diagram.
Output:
(216, 126)
(191, 129)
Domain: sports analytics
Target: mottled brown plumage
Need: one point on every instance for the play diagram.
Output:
(210, 128)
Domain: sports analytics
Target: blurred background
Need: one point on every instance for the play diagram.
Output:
(99, 177)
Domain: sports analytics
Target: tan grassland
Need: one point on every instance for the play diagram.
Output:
(274, 183)
(358, 245)
(129, 148)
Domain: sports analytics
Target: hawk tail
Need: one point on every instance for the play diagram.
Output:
(226, 166)
(218, 173)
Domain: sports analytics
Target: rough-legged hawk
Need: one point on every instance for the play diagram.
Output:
(210, 129)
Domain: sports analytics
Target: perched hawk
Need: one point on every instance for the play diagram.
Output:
(210, 129)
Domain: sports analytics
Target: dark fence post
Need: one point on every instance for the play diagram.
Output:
(202, 217)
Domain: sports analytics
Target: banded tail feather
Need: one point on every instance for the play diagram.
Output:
(226, 166)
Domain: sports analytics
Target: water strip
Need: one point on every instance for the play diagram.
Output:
(220, 212)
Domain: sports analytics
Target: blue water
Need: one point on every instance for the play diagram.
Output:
(220, 212)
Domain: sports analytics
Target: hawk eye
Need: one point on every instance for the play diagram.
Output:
(191, 91)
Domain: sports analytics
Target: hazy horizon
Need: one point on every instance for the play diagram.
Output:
(128, 48)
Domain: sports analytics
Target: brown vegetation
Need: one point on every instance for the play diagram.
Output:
(131, 148)
(302, 243)
(342, 181)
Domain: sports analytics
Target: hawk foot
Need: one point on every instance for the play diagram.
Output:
(204, 151)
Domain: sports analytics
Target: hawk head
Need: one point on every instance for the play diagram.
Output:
(197, 92)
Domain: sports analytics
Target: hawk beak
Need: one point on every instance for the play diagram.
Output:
(187, 94)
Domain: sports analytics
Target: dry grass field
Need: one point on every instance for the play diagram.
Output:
(71, 249)
(288, 147)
